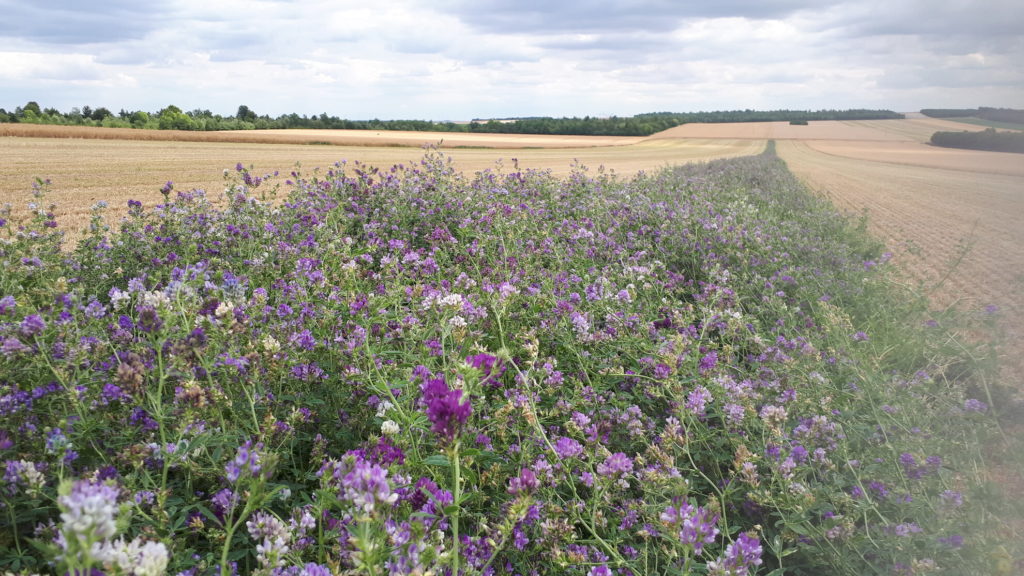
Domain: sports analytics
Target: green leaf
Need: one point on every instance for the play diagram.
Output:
(437, 460)
(798, 528)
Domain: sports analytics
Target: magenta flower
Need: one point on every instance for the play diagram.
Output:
(447, 415)
(525, 482)
(489, 365)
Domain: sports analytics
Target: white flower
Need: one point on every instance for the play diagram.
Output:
(452, 300)
(152, 559)
(32, 477)
(89, 511)
(118, 298)
(390, 428)
(270, 344)
(383, 407)
(224, 310)
(155, 299)
(138, 557)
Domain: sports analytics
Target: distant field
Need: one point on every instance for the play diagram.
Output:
(991, 123)
(335, 137)
(927, 215)
(86, 169)
(910, 130)
(915, 154)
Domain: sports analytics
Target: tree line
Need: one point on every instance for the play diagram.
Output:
(989, 139)
(174, 118)
(994, 114)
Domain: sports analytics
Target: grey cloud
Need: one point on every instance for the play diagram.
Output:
(77, 22)
(545, 16)
(638, 42)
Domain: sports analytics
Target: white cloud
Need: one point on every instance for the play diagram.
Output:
(455, 59)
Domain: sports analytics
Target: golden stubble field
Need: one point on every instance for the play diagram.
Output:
(91, 164)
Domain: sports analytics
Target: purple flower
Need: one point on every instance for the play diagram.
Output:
(444, 410)
(906, 529)
(708, 362)
(566, 447)
(487, 364)
(697, 400)
(224, 503)
(32, 324)
(617, 463)
(247, 462)
(12, 346)
(693, 525)
(741, 558)
(952, 498)
(7, 303)
(362, 483)
(525, 482)
(975, 405)
(953, 541)
(734, 413)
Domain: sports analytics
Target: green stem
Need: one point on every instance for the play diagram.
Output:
(456, 495)
(14, 527)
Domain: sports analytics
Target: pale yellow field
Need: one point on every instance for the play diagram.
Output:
(323, 137)
(909, 130)
(87, 169)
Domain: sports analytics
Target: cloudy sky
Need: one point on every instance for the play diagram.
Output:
(462, 59)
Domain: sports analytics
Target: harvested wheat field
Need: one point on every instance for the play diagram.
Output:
(923, 155)
(87, 170)
(909, 130)
(334, 137)
(934, 218)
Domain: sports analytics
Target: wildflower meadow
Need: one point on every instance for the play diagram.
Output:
(702, 370)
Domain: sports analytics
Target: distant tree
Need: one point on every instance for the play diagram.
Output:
(172, 118)
(988, 139)
(245, 114)
(87, 111)
(139, 119)
(172, 109)
(32, 107)
(100, 114)
(4, 116)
